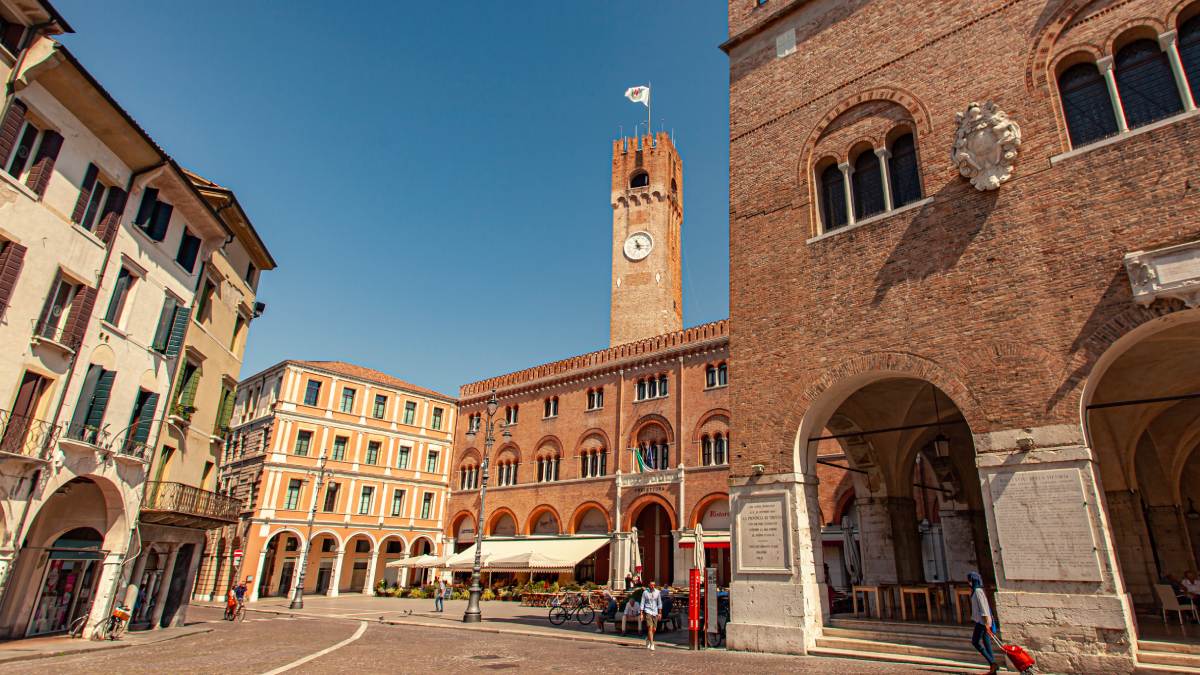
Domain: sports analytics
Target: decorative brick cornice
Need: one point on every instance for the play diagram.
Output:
(706, 336)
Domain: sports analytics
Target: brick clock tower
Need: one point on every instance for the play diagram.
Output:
(647, 201)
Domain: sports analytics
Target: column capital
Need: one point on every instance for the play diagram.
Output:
(845, 167)
(1105, 64)
(883, 153)
(1167, 39)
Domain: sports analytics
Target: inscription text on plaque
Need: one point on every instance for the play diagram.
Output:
(1044, 525)
(762, 535)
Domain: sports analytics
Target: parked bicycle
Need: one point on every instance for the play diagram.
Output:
(716, 638)
(111, 628)
(578, 606)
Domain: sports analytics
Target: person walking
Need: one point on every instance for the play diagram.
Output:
(439, 601)
(651, 609)
(981, 615)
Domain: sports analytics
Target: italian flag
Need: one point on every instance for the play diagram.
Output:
(641, 461)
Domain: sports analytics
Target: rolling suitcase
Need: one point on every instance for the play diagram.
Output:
(1020, 659)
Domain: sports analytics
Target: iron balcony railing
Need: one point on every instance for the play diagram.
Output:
(55, 330)
(25, 435)
(190, 501)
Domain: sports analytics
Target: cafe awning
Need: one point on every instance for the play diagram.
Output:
(530, 554)
(711, 540)
(419, 561)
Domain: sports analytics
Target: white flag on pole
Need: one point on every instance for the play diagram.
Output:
(639, 94)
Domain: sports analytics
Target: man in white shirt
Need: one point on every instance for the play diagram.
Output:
(651, 608)
(1191, 584)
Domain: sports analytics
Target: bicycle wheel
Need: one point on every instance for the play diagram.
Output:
(558, 615)
(77, 626)
(241, 613)
(116, 628)
(100, 630)
(713, 639)
(585, 615)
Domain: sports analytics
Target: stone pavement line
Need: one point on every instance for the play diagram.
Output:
(89, 646)
(362, 628)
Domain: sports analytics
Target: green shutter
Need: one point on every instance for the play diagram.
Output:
(145, 418)
(163, 333)
(99, 399)
(178, 329)
(226, 412)
(188, 399)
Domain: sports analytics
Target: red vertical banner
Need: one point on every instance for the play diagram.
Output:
(695, 590)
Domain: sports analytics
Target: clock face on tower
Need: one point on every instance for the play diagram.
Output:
(638, 245)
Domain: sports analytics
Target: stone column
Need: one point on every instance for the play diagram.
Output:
(876, 541)
(105, 587)
(848, 186)
(335, 574)
(1059, 591)
(906, 539)
(1169, 42)
(164, 585)
(959, 541)
(371, 562)
(180, 617)
(139, 567)
(1169, 531)
(1106, 69)
(682, 558)
(777, 580)
(258, 574)
(884, 156)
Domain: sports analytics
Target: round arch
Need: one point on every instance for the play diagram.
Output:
(416, 546)
(468, 455)
(636, 507)
(590, 434)
(326, 533)
(548, 440)
(713, 414)
(374, 544)
(509, 449)
(384, 541)
(582, 510)
(646, 421)
(534, 515)
(705, 501)
(495, 517)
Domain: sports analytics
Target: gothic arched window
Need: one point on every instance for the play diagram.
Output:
(833, 198)
(903, 172)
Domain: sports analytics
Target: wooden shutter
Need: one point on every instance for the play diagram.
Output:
(85, 193)
(178, 329)
(162, 218)
(9, 128)
(81, 312)
(99, 399)
(145, 418)
(11, 259)
(226, 413)
(188, 399)
(163, 332)
(146, 208)
(43, 162)
(110, 218)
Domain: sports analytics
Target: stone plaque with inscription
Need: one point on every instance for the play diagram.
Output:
(1044, 525)
(761, 535)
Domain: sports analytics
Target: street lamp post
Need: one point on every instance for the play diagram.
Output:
(473, 613)
(298, 595)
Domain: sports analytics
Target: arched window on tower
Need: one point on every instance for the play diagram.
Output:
(1189, 54)
(868, 185)
(833, 198)
(639, 179)
(903, 172)
(1086, 105)
(1145, 83)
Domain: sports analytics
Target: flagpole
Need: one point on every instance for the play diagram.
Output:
(649, 129)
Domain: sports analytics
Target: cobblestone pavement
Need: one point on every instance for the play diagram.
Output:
(264, 643)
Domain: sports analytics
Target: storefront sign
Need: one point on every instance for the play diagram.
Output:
(762, 535)
(716, 517)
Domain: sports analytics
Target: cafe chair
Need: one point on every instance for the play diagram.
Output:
(1166, 596)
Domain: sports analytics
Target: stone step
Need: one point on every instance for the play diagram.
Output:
(1158, 658)
(1173, 647)
(886, 646)
(1156, 668)
(940, 665)
(896, 628)
(960, 642)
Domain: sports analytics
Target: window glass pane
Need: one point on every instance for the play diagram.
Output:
(833, 198)
(339, 448)
(904, 172)
(1146, 84)
(303, 439)
(312, 392)
(1086, 104)
(868, 185)
(373, 452)
(380, 406)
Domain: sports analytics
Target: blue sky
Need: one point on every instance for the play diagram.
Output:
(433, 178)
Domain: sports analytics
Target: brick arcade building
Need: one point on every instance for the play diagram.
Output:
(568, 479)
(1024, 344)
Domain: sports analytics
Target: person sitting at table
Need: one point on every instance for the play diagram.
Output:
(1176, 587)
(1191, 585)
(609, 613)
(665, 615)
(633, 609)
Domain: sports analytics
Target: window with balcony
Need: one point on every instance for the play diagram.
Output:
(364, 500)
(292, 500)
(373, 452)
(33, 157)
(59, 303)
(142, 417)
(303, 441)
(654, 455)
(410, 412)
(380, 406)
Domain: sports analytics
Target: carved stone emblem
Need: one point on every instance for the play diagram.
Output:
(985, 145)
